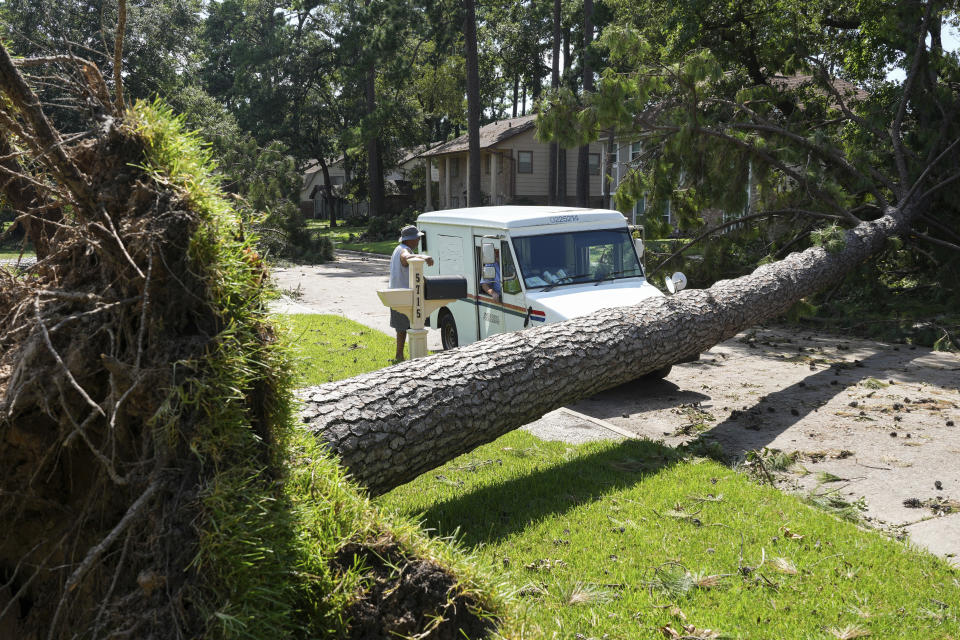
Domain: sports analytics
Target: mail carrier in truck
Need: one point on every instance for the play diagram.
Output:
(540, 264)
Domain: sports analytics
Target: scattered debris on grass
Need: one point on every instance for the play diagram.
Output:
(544, 565)
(848, 633)
(576, 593)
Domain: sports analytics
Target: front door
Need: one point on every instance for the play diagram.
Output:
(489, 307)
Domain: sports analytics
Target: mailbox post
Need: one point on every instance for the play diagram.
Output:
(416, 334)
(417, 302)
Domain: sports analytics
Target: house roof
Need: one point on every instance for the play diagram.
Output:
(843, 87)
(490, 135)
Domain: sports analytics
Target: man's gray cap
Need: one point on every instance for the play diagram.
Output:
(409, 232)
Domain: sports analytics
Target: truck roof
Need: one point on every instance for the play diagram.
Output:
(515, 216)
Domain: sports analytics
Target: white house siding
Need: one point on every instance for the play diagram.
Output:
(534, 185)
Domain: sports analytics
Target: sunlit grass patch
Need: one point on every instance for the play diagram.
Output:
(603, 538)
(328, 348)
(348, 238)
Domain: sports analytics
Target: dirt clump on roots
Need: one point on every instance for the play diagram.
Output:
(104, 348)
(406, 597)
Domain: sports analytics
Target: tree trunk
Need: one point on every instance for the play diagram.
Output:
(473, 102)
(562, 153)
(22, 196)
(374, 165)
(392, 425)
(606, 173)
(516, 90)
(328, 190)
(553, 163)
(583, 157)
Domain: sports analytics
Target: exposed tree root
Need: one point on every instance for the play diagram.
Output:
(98, 487)
(407, 597)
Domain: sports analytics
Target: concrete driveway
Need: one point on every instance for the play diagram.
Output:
(347, 287)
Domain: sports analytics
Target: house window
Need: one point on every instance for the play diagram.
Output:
(639, 207)
(455, 167)
(634, 151)
(486, 163)
(594, 164)
(524, 161)
(455, 202)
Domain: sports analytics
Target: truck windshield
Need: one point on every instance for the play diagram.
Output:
(576, 257)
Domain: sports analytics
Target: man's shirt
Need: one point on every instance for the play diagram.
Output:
(495, 283)
(399, 274)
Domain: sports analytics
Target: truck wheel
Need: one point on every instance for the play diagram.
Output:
(658, 374)
(448, 330)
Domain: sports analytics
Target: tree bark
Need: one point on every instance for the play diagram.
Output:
(118, 54)
(473, 102)
(374, 164)
(606, 173)
(22, 196)
(552, 167)
(392, 425)
(328, 190)
(583, 156)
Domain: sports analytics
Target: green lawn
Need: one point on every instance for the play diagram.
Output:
(341, 237)
(332, 348)
(620, 540)
(9, 249)
(13, 255)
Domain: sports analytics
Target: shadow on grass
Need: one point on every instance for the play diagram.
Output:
(493, 512)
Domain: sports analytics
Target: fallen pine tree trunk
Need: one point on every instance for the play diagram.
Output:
(392, 425)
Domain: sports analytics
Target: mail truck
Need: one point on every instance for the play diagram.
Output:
(539, 265)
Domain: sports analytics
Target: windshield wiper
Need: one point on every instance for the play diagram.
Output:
(571, 278)
(613, 275)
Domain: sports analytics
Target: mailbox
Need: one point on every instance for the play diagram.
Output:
(425, 295)
(445, 288)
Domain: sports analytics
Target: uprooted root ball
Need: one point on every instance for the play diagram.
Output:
(151, 482)
(116, 350)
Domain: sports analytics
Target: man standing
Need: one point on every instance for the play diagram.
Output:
(400, 279)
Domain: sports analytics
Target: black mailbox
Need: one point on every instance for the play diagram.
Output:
(445, 287)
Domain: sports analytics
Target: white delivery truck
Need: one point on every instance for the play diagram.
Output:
(552, 264)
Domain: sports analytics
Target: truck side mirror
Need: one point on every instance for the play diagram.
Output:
(489, 272)
(638, 243)
(487, 255)
(676, 282)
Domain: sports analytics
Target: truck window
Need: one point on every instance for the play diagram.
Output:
(511, 280)
(576, 257)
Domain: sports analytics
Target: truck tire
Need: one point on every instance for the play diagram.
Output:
(658, 374)
(448, 330)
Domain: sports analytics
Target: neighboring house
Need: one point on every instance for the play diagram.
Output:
(398, 188)
(513, 167)
(311, 191)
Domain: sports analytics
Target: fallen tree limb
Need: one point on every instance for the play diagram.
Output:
(390, 426)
